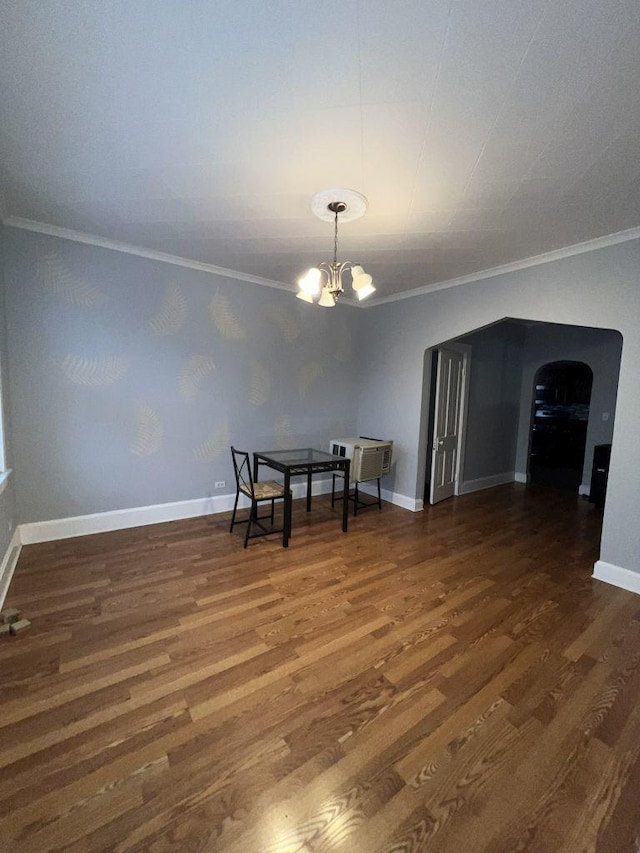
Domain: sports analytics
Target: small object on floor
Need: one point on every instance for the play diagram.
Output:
(10, 615)
(4, 629)
(22, 625)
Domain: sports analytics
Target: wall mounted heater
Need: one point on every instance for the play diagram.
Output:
(370, 458)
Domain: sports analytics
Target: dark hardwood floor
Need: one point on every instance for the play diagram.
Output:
(451, 680)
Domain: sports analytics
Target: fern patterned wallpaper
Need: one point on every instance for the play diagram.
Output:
(130, 378)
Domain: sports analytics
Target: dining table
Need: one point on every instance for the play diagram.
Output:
(303, 461)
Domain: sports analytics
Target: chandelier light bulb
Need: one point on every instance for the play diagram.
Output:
(326, 300)
(310, 281)
(306, 297)
(361, 280)
(366, 289)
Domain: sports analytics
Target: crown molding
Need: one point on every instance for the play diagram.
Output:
(150, 254)
(514, 266)
(211, 269)
(129, 249)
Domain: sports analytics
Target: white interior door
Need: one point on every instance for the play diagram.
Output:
(447, 424)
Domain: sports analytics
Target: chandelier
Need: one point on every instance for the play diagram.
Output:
(325, 280)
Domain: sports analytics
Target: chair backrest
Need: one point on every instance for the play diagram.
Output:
(242, 470)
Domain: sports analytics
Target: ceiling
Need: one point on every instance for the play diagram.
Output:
(481, 131)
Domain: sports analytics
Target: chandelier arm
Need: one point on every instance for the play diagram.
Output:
(326, 271)
(327, 266)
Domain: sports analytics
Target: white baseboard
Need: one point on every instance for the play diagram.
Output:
(120, 519)
(8, 564)
(521, 477)
(584, 490)
(412, 504)
(487, 482)
(617, 576)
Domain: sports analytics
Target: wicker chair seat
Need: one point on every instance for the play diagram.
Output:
(267, 489)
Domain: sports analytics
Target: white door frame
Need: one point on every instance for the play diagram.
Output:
(465, 349)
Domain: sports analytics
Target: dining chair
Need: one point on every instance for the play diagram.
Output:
(268, 490)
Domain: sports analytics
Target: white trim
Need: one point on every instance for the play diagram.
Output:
(466, 351)
(4, 480)
(617, 576)
(121, 519)
(8, 564)
(128, 249)
(521, 477)
(584, 490)
(487, 482)
(150, 254)
(412, 504)
(515, 266)
(503, 269)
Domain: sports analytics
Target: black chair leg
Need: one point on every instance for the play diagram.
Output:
(233, 516)
(252, 513)
(355, 503)
(273, 510)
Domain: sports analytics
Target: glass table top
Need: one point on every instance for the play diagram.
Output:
(299, 456)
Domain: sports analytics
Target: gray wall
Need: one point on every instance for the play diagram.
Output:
(7, 500)
(494, 401)
(598, 288)
(600, 349)
(130, 378)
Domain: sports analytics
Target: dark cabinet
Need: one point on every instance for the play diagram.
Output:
(599, 474)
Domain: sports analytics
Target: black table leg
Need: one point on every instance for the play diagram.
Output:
(308, 491)
(345, 499)
(286, 527)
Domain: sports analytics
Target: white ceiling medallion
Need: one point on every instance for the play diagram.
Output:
(355, 204)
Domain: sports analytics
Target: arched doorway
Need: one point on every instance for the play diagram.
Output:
(561, 399)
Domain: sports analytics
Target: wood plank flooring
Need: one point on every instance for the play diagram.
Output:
(451, 680)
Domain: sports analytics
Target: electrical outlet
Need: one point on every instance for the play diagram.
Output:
(220, 484)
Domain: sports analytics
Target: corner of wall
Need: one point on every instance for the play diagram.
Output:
(617, 576)
(8, 564)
